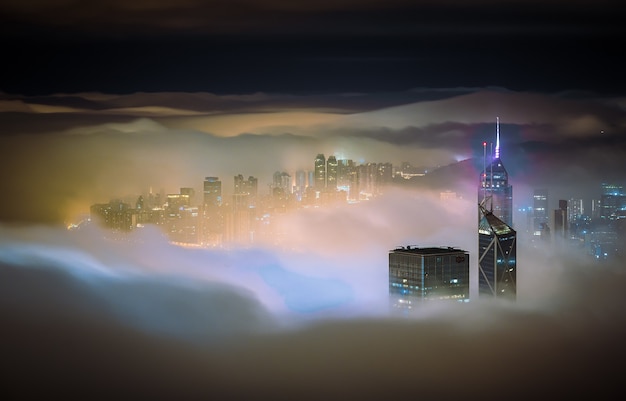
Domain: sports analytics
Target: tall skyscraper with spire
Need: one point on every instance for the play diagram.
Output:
(497, 240)
(495, 193)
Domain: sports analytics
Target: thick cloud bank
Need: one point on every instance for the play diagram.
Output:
(88, 317)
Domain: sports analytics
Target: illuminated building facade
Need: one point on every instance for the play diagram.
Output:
(422, 274)
(115, 215)
(497, 244)
(540, 212)
(320, 172)
(494, 190)
(212, 229)
(331, 173)
(575, 210)
(561, 220)
(249, 187)
(612, 201)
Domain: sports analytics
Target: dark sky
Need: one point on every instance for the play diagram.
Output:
(53, 46)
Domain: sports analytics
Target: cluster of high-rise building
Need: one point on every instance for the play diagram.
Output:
(415, 273)
(248, 214)
(423, 274)
(597, 226)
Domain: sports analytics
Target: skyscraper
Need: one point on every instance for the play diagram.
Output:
(213, 223)
(421, 274)
(540, 211)
(561, 221)
(497, 244)
(495, 193)
(212, 191)
(575, 210)
(497, 241)
(320, 172)
(331, 173)
(612, 201)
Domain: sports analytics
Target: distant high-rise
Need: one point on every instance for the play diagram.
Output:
(331, 173)
(575, 209)
(212, 191)
(421, 274)
(245, 191)
(282, 181)
(495, 192)
(347, 178)
(540, 211)
(497, 244)
(320, 172)
(213, 219)
(384, 172)
(116, 215)
(612, 200)
(561, 221)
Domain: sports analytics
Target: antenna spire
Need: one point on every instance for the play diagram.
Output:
(497, 137)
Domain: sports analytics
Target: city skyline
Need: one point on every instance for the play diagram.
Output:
(106, 100)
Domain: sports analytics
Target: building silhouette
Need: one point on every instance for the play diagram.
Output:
(540, 211)
(561, 222)
(494, 185)
(423, 274)
(331, 173)
(612, 200)
(213, 222)
(115, 215)
(497, 245)
(320, 172)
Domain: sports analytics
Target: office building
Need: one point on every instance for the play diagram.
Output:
(497, 244)
(560, 221)
(540, 212)
(425, 274)
(115, 215)
(331, 173)
(212, 217)
(612, 201)
(320, 172)
(575, 210)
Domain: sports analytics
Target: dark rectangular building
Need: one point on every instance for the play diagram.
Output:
(420, 274)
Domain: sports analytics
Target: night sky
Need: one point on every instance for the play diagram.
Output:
(310, 46)
(109, 99)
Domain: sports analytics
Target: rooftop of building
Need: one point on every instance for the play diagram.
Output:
(427, 250)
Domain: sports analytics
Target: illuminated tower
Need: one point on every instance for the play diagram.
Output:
(495, 192)
(212, 214)
(331, 173)
(612, 201)
(320, 172)
(497, 244)
(540, 211)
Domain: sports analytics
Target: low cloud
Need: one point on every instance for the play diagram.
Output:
(147, 318)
